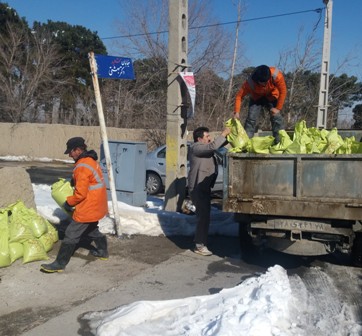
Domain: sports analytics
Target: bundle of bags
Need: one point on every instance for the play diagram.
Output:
(24, 234)
(304, 141)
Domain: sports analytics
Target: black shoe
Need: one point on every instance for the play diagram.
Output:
(52, 268)
(101, 251)
(100, 254)
(63, 257)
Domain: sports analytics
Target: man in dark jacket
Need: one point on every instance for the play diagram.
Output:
(201, 178)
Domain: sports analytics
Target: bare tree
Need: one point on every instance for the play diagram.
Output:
(146, 39)
(304, 57)
(29, 65)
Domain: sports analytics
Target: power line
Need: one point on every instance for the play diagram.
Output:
(317, 10)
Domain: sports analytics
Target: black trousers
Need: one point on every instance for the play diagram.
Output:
(255, 108)
(75, 231)
(201, 197)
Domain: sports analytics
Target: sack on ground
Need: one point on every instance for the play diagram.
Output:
(4, 240)
(33, 251)
(16, 251)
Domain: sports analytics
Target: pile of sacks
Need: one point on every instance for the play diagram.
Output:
(304, 141)
(24, 234)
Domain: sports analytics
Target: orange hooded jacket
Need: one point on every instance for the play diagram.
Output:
(275, 89)
(90, 194)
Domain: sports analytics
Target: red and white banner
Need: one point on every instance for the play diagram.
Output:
(189, 80)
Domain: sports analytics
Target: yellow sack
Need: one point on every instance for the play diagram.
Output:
(237, 138)
(47, 240)
(33, 251)
(53, 232)
(16, 251)
(261, 145)
(19, 230)
(334, 141)
(285, 142)
(318, 140)
(38, 224)
(4, 240)
(60, 191)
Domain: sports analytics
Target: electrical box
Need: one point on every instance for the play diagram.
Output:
(129, 171)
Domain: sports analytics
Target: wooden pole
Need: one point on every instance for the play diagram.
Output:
(93, 66)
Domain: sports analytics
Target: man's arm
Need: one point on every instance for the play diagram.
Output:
(282, 88)
(244, 90)
(205, 150)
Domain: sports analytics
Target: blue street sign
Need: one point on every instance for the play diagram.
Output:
(114, 67)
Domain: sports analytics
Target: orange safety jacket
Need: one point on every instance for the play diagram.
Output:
(275, 89)
(90, 193)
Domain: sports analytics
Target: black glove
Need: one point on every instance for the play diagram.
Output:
(67, 207)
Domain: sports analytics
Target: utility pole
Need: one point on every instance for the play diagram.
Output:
(176, 133)
(324, 81)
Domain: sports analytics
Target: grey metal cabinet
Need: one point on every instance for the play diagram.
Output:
(129, 171)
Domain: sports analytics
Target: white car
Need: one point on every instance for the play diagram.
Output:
(156, 170)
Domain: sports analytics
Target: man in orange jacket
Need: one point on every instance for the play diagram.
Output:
(88, 205)
(266, 87)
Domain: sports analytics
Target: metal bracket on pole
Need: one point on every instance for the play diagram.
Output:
(93, 66)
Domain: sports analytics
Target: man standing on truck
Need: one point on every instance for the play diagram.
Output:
(266, 87)
(201, 178)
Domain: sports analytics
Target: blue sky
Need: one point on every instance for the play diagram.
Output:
(262, 39)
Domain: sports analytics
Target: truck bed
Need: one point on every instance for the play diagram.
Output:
(296, 185)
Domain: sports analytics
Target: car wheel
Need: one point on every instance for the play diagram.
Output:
(153, 183)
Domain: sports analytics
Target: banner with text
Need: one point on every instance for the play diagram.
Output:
(189, 80)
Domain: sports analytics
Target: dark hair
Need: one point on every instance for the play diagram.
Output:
(199, 132)
(261, 74)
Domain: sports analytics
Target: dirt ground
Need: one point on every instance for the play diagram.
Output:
(30, 297)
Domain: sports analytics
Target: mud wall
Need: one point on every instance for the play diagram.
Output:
(15, 185)
(38, 141)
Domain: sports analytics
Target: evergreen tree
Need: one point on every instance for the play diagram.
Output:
(357, 116)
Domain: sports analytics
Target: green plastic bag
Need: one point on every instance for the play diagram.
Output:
(47, 240)
(237, 138)
(33, 251)
(19, 230)
(334, 141)
(285, 142)
(16, 251)
(261, 145)
(4, 240)
(60, 191)
(36, 222)
(53, 232)
(318, 140)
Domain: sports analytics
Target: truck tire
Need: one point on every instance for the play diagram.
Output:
(247, 247)
(357, 250)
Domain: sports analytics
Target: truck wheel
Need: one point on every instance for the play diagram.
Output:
(357, 250)
(246, 243)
